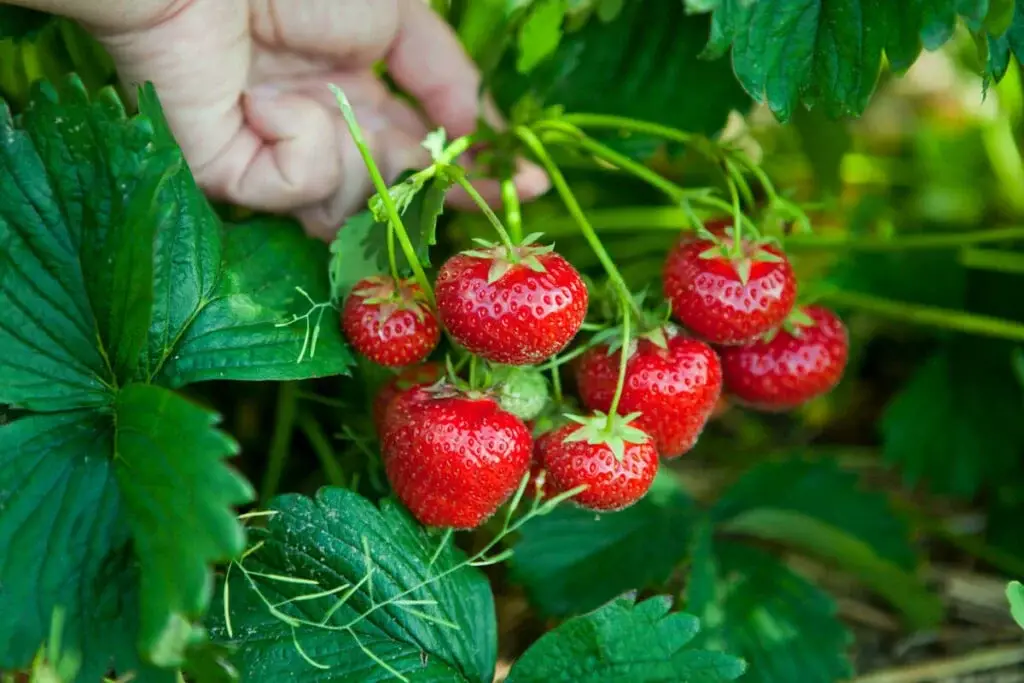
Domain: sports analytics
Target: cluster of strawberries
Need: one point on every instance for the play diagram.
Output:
(453, 454)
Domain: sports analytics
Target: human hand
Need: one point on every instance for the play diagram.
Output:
(244, 87)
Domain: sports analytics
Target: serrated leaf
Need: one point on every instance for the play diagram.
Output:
(961, 402)
(178, 499)
(540, 34)
(625, 641)
(331, 541)
(823, 511)
(572, 560)
(828, 52)
(75, 178)
(64, 512)
(784, 627)
(1015, 595)
(237, 334)
(652, 48)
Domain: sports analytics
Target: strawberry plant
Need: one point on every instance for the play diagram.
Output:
(635, 410)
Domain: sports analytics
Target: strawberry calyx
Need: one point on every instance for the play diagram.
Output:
(741, 255)
(390, 296)
(795, 323)
(613, 431)
(504, 257)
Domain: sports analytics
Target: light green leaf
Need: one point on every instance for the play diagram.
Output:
(962, 402)
(785, 628)
(827, 52)
(651, 48)
(77, 189)
(540, 34)
(625, 641)
(237, 333)
(1015, 594)
(821, 510)
(571, 560)
(62, 512)
(178, 499)
(396, 610)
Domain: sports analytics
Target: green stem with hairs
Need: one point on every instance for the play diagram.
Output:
(576, 211)
(623, 360)
(487, 210)
(606, 122)
(929, 316)
(381, 186)
(513, 210)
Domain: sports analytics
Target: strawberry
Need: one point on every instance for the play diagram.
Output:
(727, 295)
(614, 459)
(672, 380)
(802, 360)
(408, 378)
(515, 307)
(390, 323)
(454, 457)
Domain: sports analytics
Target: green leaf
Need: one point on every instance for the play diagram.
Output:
(1015, 594)
(178, 498)
(1002, 44)
(651, 51)
(827, 52)
(63, 512)
(339, 539)
(571, 560)
(931, 278)
(360, 249)
(625, 641)
(540, 34)
(785, 628)
(19, 22)
(237, 334)
(956, 424)
(78, 188)
(821, 510)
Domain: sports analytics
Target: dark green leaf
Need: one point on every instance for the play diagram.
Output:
(642, 65)
(827, 52)
(77, 188)
(625, 641)
(18, 22)
(237, 334)
(540, 34)
(784, 627)
(177, 498)
(932, 278)
(821, 510)
(956, 425)
(1001, 45)
(333, 541)
(571, 560)
(62, 511)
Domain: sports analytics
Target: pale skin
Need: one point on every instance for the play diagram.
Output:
(244, 86)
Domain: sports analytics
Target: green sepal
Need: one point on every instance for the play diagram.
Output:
(614, 431)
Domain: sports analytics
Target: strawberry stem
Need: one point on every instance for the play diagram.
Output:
(513, 211)
(929, 315)
(576, 211)
(556, 385)
(623, 359)
(394, 218)
(489, 212)
(737, 221)
(603, 121)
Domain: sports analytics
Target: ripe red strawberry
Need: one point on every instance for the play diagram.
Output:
(672, 380)
(728, 299)
(803, 360)
(415, 376)
(616, 462)
(515, 310)
(389, 323)
(452, 457)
